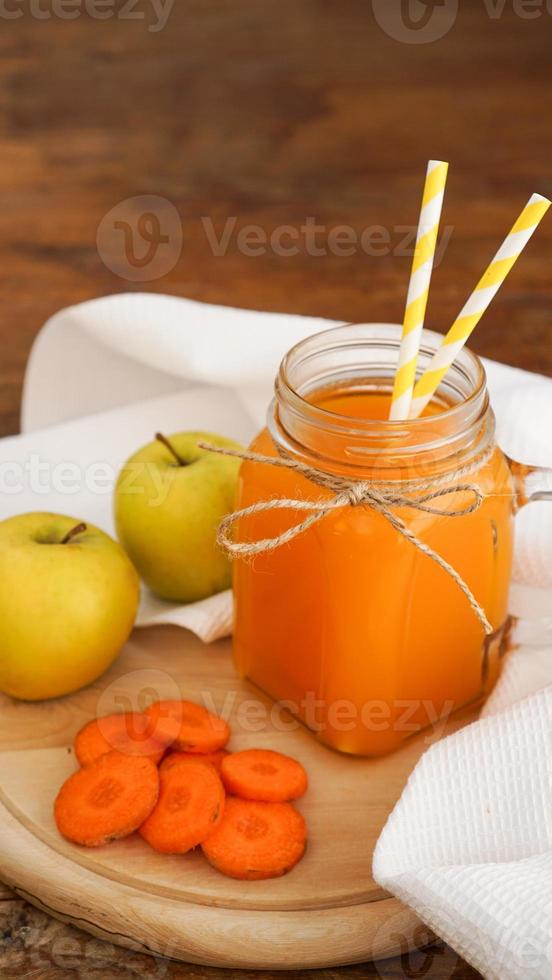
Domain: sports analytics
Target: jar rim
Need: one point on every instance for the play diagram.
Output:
(369, 351)
(419, 424)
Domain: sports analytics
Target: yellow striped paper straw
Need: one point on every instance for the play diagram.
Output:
(486, 289)
(418, 288)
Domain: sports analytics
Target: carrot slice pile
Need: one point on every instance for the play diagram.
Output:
(107, 800)
(214, 759)
(129, 732)
(256, 840)
(191, 804)
(177, 801)
(260, 774)
(187, 726)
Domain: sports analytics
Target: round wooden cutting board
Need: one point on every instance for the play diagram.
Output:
(327, 912)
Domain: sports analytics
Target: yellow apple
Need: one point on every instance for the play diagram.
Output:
(169, 500)
(68, 601)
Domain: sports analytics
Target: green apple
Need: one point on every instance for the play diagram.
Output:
(68, 601)
(169, 500)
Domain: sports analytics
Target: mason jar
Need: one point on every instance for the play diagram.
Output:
(388, 610)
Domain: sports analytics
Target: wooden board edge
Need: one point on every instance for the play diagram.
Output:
(210, 936)
(85, 860)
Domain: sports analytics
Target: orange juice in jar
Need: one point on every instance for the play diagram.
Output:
(361, 634)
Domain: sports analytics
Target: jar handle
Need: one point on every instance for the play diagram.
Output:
(531, 483)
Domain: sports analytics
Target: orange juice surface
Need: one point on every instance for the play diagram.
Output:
(358, 403)
(364, 638)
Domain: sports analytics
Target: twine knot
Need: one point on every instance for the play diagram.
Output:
(356, 493)
(379, 496)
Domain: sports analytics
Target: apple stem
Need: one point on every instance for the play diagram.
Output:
(168, 445)
(78, 529)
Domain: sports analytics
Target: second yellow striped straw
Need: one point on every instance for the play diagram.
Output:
(486, 289)
(418, 289)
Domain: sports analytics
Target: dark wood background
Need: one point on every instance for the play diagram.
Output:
(270, 113)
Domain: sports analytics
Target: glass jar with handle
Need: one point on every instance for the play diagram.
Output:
(374, 615)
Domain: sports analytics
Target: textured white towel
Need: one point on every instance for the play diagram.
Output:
(469, 843)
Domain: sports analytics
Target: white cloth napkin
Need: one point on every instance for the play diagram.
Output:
(468, 845)
(104, 376)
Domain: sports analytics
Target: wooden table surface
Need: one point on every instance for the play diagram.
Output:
(280, 113)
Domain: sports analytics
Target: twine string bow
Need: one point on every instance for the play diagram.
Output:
(379, 496)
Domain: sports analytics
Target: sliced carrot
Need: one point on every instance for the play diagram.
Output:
(129, 732)
(259, 774)
(256, 840)
(214, 759)
(191, 804)
(187, 726)
(106, 800)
